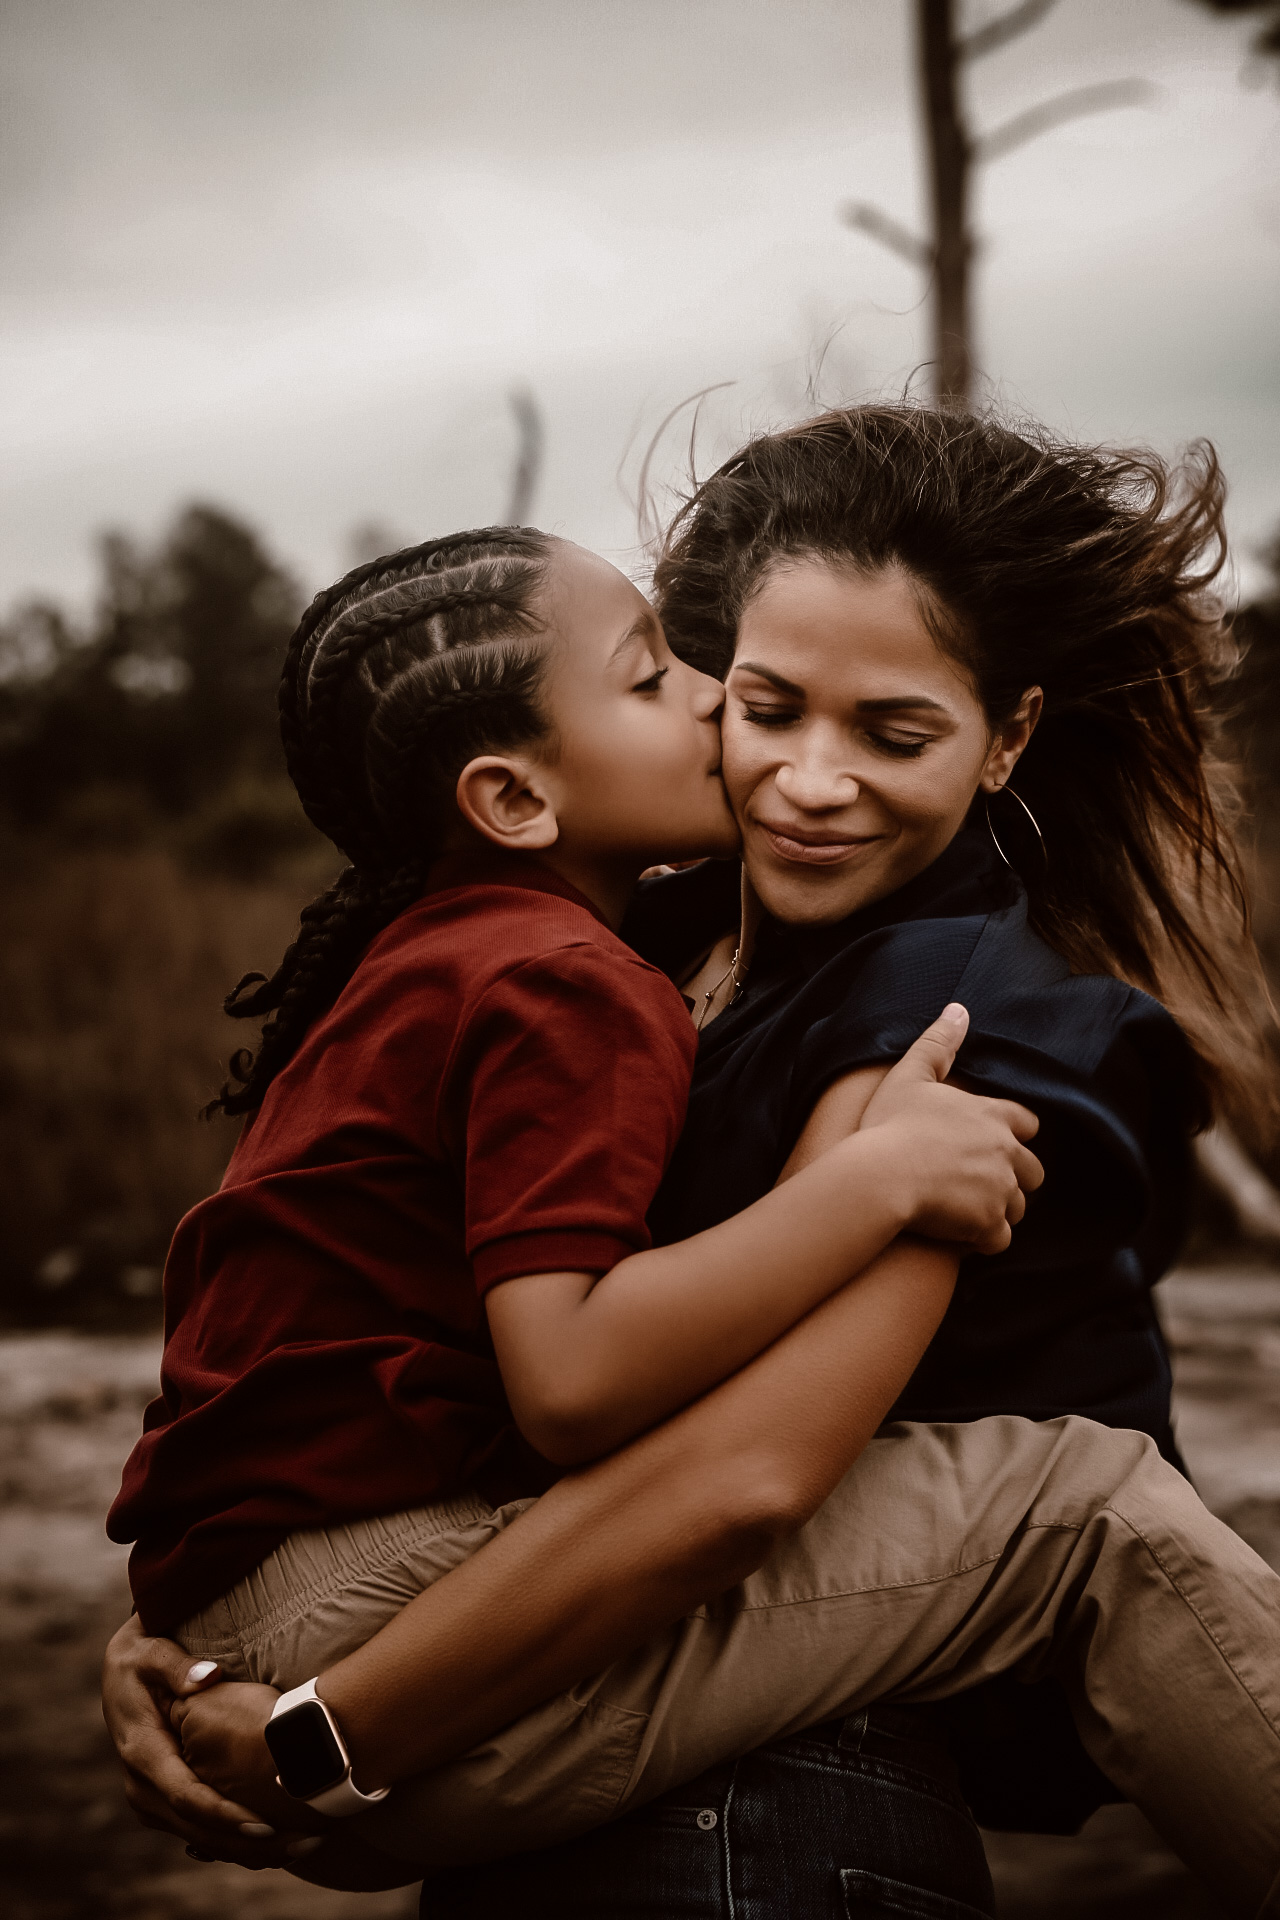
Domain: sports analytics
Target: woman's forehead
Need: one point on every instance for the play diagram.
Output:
(827, 626)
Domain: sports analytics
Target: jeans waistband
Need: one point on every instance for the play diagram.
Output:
(910, 1737)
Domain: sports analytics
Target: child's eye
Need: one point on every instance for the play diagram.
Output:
(899, 749)
(770, 716)
(654, 681)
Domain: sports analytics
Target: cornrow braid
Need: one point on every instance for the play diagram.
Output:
(396, 676)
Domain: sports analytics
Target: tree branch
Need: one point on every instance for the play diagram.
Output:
(1006, 27)
(889, 232)
(1054, 113)
(1243, 1185)
(528, 461)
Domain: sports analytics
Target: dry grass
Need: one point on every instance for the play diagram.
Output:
(111, 1038)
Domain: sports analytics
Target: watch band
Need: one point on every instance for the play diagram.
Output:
(344, 1798)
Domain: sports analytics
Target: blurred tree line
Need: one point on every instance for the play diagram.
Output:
(161, 710)
(1250, 703)
(152, 850)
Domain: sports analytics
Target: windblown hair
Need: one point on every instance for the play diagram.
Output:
(1083, 570)
(395, 678)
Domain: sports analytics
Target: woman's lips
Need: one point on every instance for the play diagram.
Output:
(814, 853)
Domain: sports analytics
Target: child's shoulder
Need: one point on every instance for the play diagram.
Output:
(509, 924)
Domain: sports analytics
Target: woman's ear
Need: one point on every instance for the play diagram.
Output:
(1010, 742)
(509, 801)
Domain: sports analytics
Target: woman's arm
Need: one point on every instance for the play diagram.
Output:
(612, 1554)
(617, 1552)
(589, 1364)
(608, 1557)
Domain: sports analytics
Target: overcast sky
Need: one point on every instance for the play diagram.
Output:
(291, 256)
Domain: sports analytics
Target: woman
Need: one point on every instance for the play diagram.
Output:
(815, 570)
(900, 586)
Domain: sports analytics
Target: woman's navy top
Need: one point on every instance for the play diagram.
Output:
(1063, 1322)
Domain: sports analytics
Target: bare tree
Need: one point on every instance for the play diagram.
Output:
(1266, 42)
(528, 462)
(944, 51)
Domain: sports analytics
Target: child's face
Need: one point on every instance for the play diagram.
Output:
(635, 773)
(853, 746)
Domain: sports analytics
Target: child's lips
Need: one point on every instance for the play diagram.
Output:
(815, 851)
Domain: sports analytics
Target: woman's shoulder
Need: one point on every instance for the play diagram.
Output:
(1016, 985)
(1032, 1021)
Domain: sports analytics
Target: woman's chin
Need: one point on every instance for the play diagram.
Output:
(819, 896)
(812, 899)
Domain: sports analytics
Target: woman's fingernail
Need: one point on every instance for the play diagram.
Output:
(954, 1012)
(201, 1671)
(257, 1830)
(309, 1845)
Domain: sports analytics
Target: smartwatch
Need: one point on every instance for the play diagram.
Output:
(311, 1755)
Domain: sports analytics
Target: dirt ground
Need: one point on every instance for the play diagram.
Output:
(69, 1849)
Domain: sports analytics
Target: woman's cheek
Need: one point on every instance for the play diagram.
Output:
(739, 769)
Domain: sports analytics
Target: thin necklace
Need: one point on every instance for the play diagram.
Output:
(730, 973)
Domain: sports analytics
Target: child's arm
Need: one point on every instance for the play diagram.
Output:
(608, 1557)
(614, 1553)
(588, 1364)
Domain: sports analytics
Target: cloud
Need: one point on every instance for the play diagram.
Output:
(294, 257)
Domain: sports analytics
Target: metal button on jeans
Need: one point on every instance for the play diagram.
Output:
(707, 1818)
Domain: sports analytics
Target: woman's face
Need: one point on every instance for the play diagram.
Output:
(853, 746)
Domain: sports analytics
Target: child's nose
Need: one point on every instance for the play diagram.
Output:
(708, 695)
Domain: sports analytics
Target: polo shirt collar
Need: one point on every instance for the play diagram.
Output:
(499, 869)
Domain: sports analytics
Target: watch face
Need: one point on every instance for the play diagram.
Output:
(306, 1751)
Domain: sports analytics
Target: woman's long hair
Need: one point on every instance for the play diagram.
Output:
(1086, 571)
(394, 679)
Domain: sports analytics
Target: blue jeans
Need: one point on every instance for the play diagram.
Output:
(853, 1820)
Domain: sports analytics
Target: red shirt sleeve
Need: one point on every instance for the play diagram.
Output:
(573, 1074)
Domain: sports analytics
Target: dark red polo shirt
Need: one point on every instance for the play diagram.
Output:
(496, 1091)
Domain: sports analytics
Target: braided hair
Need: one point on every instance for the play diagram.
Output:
(395, 678)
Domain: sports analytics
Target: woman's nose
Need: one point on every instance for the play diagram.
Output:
(813, 783)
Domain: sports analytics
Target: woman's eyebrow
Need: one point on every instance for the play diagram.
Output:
(898, 703)
(774, 679)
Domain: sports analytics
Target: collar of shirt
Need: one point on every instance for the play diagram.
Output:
(498, 869)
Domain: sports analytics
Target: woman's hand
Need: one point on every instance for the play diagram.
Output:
(222, 1742)
(970, 1165)
(142, 1679)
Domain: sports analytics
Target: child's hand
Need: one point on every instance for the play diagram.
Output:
(963, 1154)
(222, 1742)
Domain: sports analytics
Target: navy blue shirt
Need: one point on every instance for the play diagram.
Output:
(1063, 1322)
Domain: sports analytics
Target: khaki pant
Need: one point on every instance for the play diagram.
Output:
(947, 1554)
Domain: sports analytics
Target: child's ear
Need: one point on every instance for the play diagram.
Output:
(509, 801)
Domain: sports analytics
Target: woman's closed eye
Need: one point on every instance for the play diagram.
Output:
(770, 716)
(901, 746)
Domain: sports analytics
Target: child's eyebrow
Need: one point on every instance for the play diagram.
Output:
(641, 628)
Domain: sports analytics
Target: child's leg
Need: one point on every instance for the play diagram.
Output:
(946, 1555)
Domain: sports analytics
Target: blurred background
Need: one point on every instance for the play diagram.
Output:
(288, 285)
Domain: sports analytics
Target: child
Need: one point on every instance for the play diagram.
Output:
(493, 1089)
(464, 1099)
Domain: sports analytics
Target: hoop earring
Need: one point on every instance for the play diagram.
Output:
(1044, 851)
